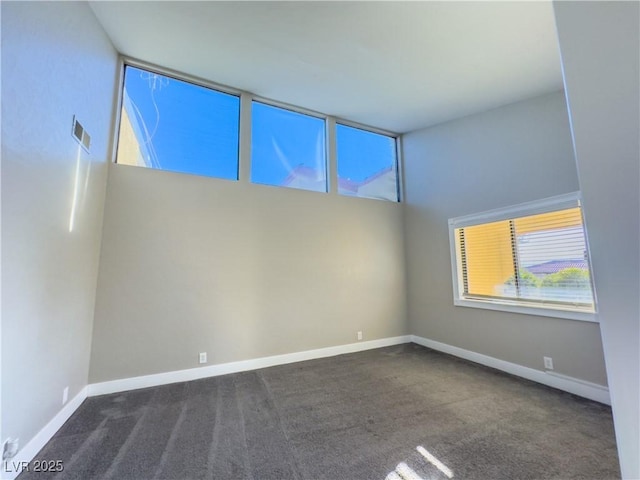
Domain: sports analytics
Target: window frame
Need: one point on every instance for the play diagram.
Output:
(397, 162)
(181, 77)
(302, 111)
(244, 133)
(560, 202)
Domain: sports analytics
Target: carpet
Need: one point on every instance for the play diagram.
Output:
(402, 412)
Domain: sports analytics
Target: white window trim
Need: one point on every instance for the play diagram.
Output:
(550, 204)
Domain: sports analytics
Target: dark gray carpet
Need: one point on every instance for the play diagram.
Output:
(356, 416)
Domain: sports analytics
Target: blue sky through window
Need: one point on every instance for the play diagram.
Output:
(366, 164)
(362, 154)
(186, 127)
(287, 148)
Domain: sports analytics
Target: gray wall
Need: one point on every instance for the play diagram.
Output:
(502, 157)
(192, 264)
(56, 62)
(600, 45)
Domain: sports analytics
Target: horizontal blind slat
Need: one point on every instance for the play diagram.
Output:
(549, 249)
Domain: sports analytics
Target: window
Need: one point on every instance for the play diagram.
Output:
(169, 124)
(367, 165)
(287, 148)
(532, 258)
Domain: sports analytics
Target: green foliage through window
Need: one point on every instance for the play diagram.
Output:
(574, 278)
(526, 278)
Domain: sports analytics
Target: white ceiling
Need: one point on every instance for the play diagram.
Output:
(399, 66)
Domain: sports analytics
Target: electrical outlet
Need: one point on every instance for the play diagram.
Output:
(360, 335)
(10, 448)
(548, 363)
(65, 395)
(203, 357)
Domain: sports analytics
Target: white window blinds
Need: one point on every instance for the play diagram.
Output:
(539, 259)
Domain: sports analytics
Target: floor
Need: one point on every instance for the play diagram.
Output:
(403, 412)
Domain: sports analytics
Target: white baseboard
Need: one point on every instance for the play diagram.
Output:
(133, 383)
(11, 468)
(582, 388)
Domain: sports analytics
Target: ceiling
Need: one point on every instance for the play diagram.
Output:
(398, 66)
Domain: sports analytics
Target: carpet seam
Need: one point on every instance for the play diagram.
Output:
(90, 438)
(246, 459)
(215, 434)
(172, 437)
(294, 457)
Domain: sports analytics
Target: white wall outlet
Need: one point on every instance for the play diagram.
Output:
(548, 363)
(203, 357)
(65, 395)
(360, 335)
(10, 448)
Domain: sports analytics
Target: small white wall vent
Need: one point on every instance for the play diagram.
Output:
(80, 134)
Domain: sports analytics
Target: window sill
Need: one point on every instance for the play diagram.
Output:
(543, 311)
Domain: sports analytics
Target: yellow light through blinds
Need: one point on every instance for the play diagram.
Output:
(571, 217)
(536, 258)
(488, 257)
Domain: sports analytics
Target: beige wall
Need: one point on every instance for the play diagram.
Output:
(192, 264)
(503, 157)
(56, 63)
(600, 45)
